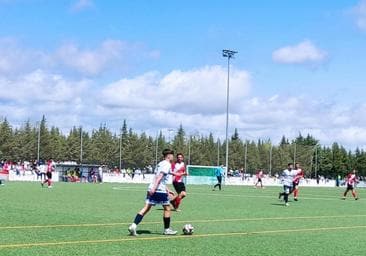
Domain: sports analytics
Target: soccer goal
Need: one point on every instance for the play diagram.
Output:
(199, 174)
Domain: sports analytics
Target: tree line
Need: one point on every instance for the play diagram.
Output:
(139, 150)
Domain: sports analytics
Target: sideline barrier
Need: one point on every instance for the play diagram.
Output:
(147, 178)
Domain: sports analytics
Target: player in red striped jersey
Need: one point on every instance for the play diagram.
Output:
(259, 177)
(351, 181)
(50, 169)
(296, 180)
(179, 171)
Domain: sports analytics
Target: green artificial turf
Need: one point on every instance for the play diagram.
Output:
(92, 219)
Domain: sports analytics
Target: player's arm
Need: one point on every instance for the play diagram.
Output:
(157, 182)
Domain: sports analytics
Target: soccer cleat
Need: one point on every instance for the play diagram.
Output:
(295, 199)
(49, 186)
(356, 198)
(132, 229)
(287, 204)
(169, 232)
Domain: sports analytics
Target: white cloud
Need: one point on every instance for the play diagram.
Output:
(81, 5)
(92, 61)
(359, 13)
(194, 98)
(200, 90)
(15, 59)
(302, 53)
(110, 55)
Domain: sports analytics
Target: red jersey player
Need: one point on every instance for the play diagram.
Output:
(179, 171)
(50, 169)
(296, 180)
(259, 176)
(351, 181)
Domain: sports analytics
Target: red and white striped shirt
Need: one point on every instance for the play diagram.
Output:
(351, 179)
(179, 168)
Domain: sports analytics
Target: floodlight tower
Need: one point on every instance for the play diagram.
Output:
(229, 54)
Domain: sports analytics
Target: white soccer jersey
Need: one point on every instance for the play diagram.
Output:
(288, 177)
(164, 167)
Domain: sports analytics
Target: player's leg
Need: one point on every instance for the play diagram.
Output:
(296, 192)
(354, 194)
(182, 194)
(220, 180)
(138, 218)
(49, 179)
(166, 219)
(287, 190)
(345, 192)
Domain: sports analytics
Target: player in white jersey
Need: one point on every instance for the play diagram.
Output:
(287, 178)
(157, 193)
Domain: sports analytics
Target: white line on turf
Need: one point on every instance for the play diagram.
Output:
(187, 221)
(119, 240)
(275, 194)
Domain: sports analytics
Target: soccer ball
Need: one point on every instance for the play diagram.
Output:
(188, 229)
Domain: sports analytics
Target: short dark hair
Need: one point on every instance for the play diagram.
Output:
(180, 154)
(289, 164)
(167, 152)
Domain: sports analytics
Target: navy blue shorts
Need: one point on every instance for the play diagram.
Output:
(158, 198)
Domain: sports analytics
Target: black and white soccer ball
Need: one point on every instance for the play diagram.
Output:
(188, 229)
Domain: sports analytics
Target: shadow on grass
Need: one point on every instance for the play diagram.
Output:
(140, 232)
(279, 204)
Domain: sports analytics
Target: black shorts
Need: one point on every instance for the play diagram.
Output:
(179, 187)
(295, 184)
(49, 175)
(259, 180)
(350, 187)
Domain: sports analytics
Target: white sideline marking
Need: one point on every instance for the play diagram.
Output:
(119, 240)
(185, 221)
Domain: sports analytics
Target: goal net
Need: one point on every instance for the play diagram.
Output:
(199, 174)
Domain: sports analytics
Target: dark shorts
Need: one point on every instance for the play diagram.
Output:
(157, 198)
(350, 187)
(259, 180)
(295, 184)
(49, 175)
(179, 187)
(287, 189)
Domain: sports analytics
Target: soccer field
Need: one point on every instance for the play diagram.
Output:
(92, 219)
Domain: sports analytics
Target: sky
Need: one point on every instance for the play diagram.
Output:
(300, 66)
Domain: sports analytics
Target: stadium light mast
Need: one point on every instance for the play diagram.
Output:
(229, 54)
(38, 140)
(81, 145)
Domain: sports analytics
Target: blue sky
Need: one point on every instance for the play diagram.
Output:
(300, 66)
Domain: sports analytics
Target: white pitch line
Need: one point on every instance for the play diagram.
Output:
(187, 221)
(119, 240)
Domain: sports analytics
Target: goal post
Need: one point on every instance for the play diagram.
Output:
(200, 174)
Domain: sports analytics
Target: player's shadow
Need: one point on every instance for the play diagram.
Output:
(140, 232)
(278, 204)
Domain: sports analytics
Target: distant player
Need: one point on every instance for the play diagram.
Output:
(157, 194)
(287, 178)
(50, 169)
(259, 177)
(219, 172)
(299, 175)
(351, 181)
(179, 171)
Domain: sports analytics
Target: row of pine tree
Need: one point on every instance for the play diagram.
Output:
(139, 150)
